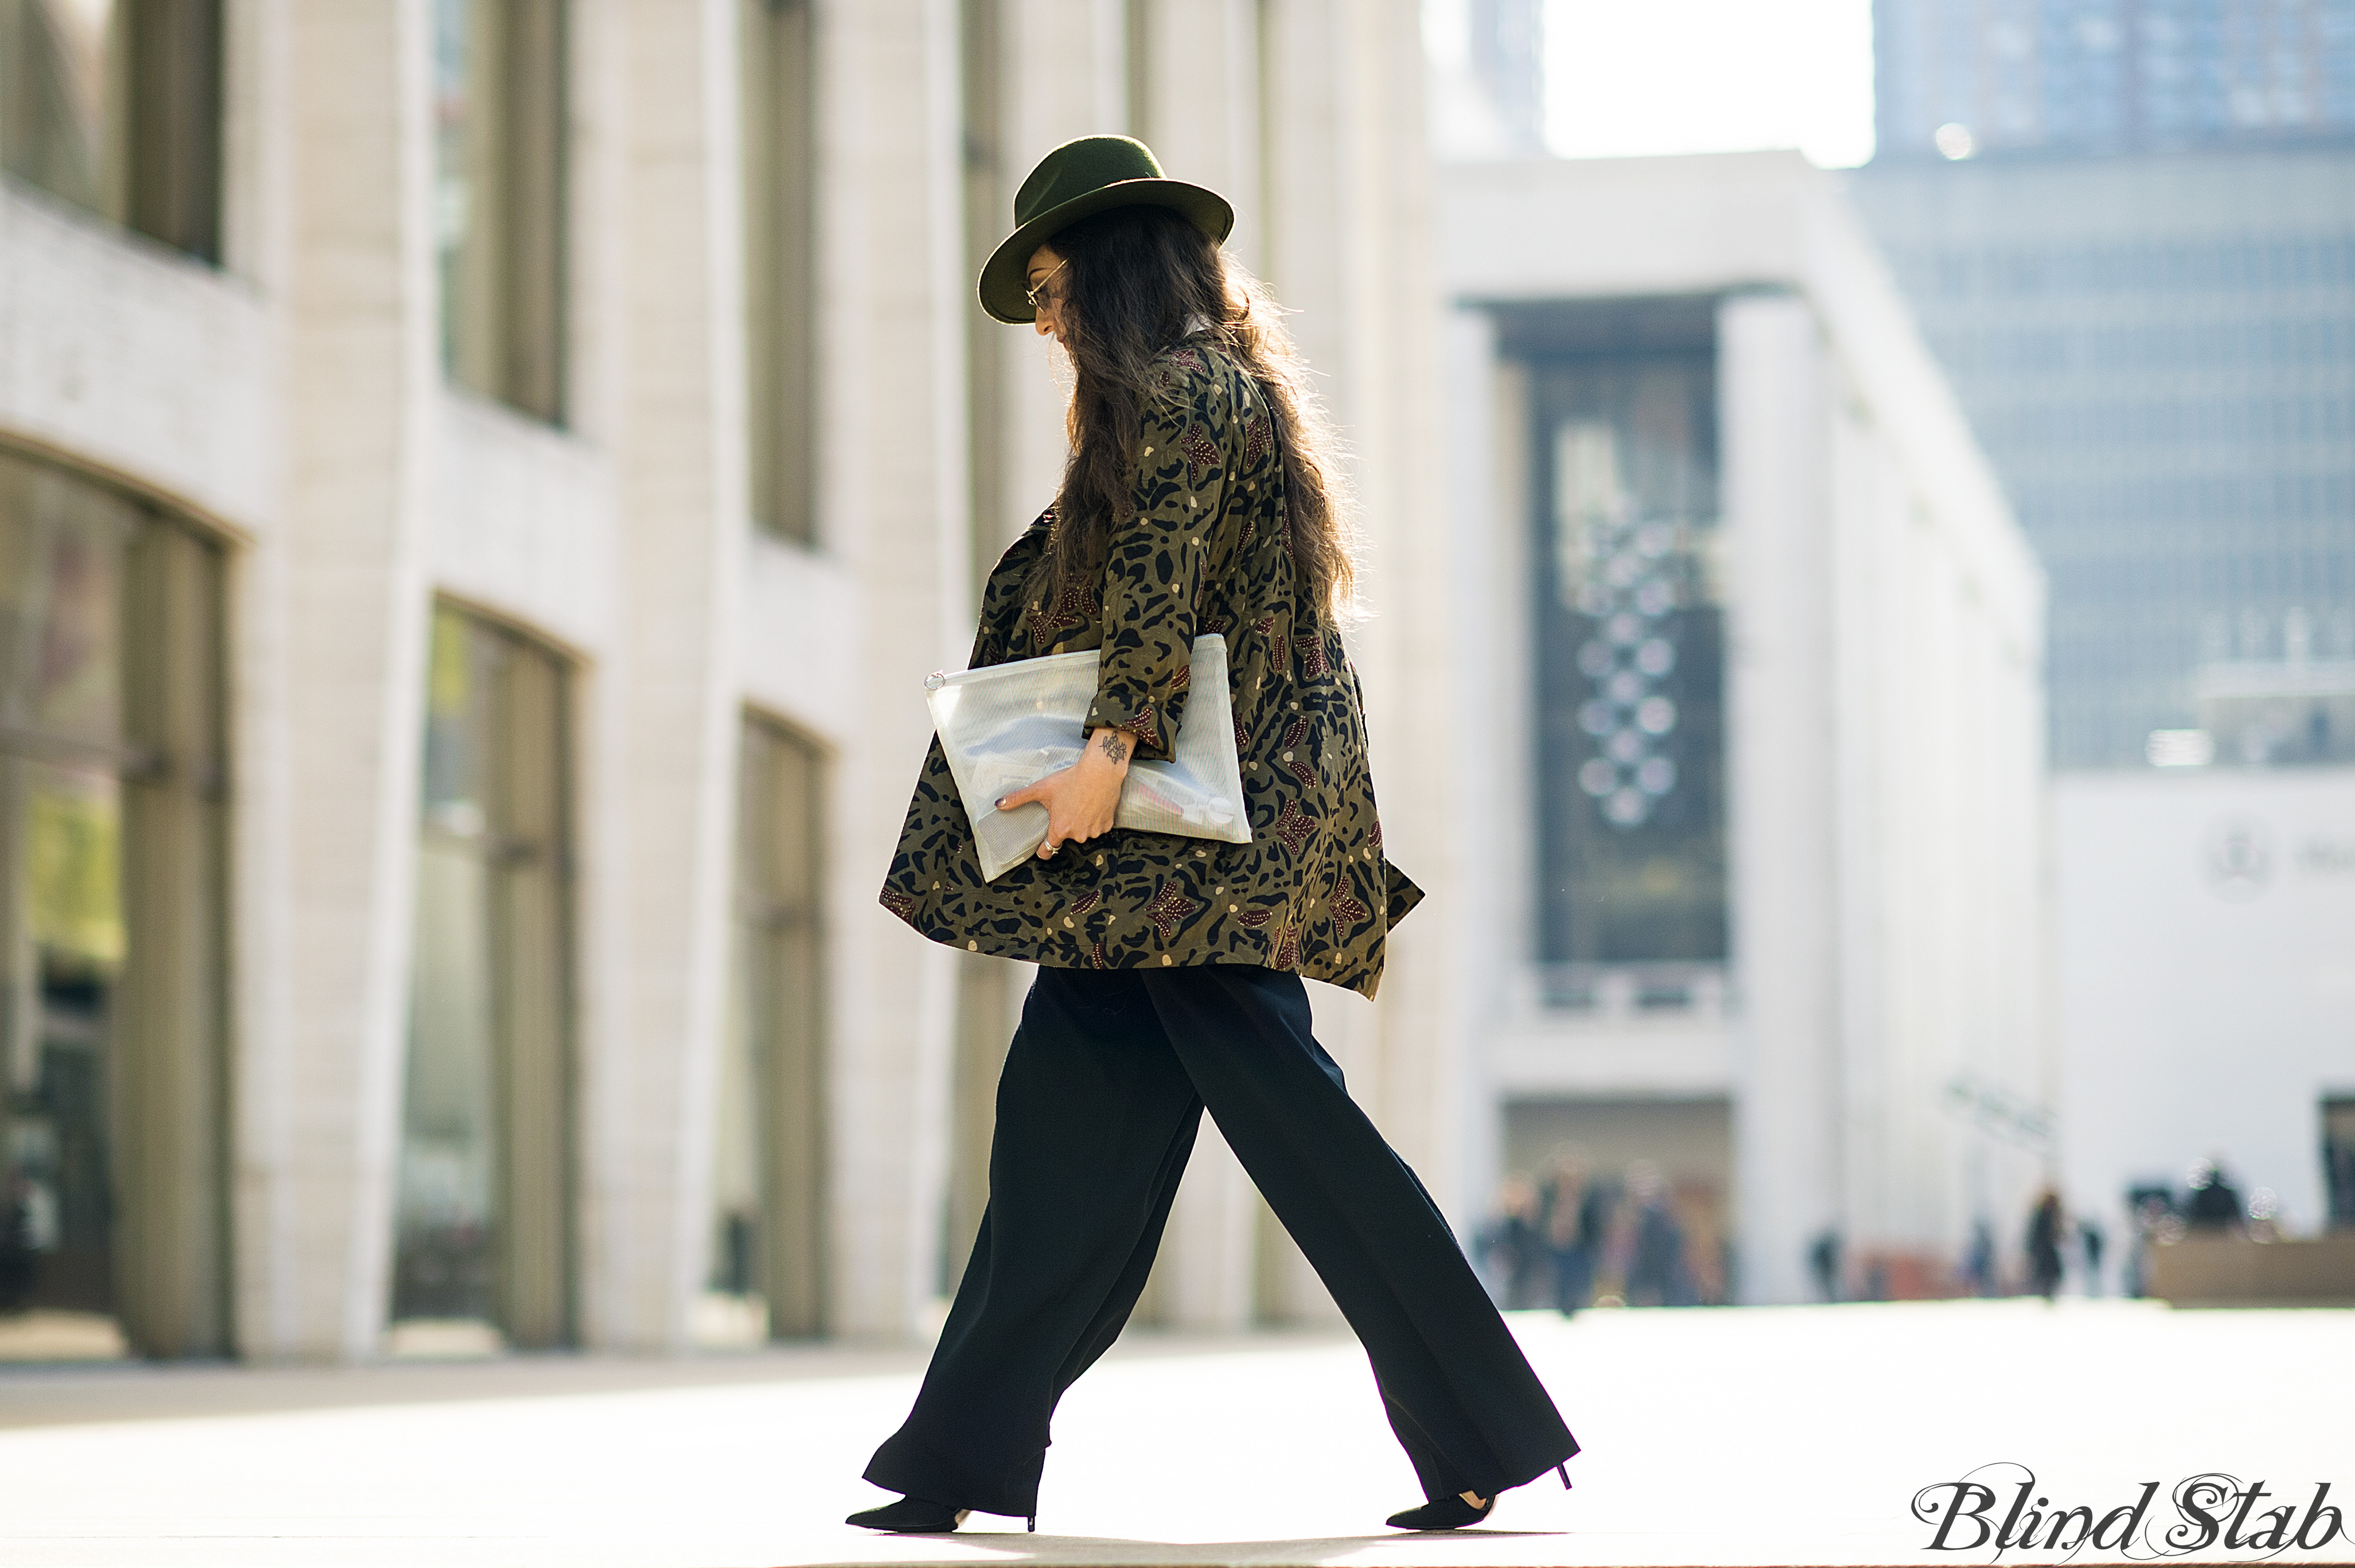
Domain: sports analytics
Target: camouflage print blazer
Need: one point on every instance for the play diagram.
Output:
(1311, 892)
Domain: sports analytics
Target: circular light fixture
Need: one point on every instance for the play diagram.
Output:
(1636, 567)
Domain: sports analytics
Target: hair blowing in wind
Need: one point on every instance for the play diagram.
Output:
(1134, 280)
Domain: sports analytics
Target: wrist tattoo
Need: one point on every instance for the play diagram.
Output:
(1115, 746)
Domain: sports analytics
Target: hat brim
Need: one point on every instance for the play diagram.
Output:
(1004, 278)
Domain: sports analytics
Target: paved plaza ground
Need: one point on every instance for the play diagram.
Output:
(1752, 1435)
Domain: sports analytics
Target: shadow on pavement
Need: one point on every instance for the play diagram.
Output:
(1405, 1549)
(62, 1395)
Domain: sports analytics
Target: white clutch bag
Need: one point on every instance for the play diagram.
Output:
(1007, 727)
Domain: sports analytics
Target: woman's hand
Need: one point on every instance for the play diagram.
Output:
(1079, 799)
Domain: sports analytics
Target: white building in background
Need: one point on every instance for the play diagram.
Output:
(481, 487)
(2206, 959)
(1749, 828)
(2149, 329)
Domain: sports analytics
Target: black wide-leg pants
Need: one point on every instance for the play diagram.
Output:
(1104, 1085)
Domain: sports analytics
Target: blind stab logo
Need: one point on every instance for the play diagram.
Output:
(2203, 1513)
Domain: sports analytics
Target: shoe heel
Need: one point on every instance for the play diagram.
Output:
(1034, 1524)
(1563, 1470)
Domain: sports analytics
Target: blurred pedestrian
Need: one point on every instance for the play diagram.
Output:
(1204, 494)
(1657, 1275)
(1574, 1211)
(2215, 1203)
(18, 1259)
(1978, 1263)
(1510, 1249)
(2044, 1245)
(1824, 1261)
(2090, 1241)
(2155, 1221)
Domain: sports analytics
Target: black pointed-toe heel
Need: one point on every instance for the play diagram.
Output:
(911, 1515)
(1442, 1513)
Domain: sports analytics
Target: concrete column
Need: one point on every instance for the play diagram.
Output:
(361, 376)
(1205, 1279)
(1873, 683)
(678, 445)
(1412, 649)
(1204, 115)
(1204, 128)
(1779, 746)
(257, 230)
(894, 509)
(1064, 79)
(1485, 739)
(1349, 188)
(1328, 205)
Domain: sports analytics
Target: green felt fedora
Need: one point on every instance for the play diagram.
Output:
(1079, 179)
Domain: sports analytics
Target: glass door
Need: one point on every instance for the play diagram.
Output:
(1629, 675)
(113, 1215)
(483, 1254)
(766, 1277)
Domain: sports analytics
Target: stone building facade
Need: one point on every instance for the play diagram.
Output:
(481, 487)
(1750, 771)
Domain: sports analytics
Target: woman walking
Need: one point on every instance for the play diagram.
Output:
(1202, 495)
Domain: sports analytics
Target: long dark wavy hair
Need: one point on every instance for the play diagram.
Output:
(1134, 280)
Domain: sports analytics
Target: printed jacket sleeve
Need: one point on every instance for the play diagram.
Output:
(1152, 566)
(994, 639)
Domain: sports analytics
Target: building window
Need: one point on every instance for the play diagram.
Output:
(767, 1276)
(780, 271)
(112, 1010)
(116, 105)
(2338, 1159)
(1630, 662)
(484, 1235)
(1137, 20)
(499, 198)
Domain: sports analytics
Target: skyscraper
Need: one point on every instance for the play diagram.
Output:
(1958, 77)
(2128, 230)
(1509, 59)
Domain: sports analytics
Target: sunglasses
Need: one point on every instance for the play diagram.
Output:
(1037, 293)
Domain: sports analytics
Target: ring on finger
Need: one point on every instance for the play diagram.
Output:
(1049, 847)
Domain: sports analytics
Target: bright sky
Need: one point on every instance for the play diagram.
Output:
(1627, 77)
